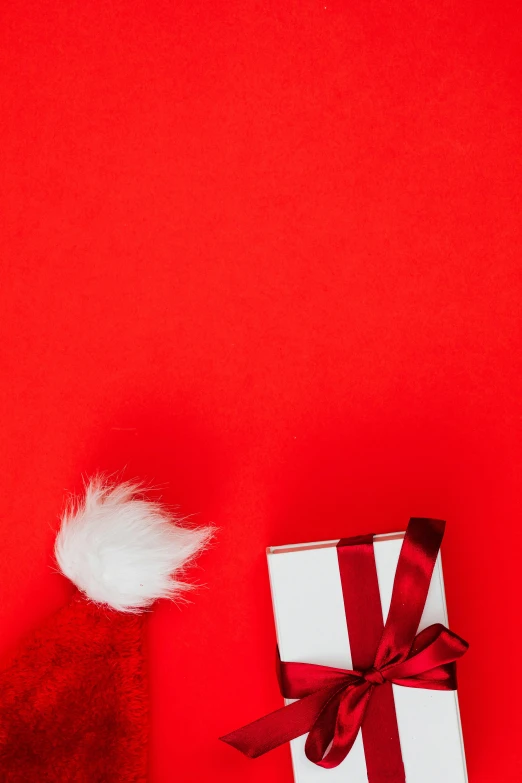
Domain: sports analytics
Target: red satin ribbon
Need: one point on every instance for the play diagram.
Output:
(362, 605)
(333, 704)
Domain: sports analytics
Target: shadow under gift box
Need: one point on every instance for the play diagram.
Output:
(311, 627)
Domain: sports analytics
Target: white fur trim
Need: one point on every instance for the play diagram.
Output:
(123, 550)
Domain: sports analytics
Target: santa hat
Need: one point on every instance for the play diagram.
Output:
(73, 701)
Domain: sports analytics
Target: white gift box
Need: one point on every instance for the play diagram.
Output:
(311, 628)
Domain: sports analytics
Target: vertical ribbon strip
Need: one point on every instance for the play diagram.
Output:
(333, 704)
(362, 606)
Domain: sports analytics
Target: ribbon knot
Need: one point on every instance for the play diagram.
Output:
(374, 676)
(331, 705)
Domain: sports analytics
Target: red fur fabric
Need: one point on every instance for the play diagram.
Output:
(73, 703)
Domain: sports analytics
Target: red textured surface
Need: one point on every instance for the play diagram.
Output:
(266, 255)
(73, 701)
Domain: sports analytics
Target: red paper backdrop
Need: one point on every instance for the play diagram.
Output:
(266, 255)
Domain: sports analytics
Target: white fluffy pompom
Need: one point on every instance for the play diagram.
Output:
(123, 550)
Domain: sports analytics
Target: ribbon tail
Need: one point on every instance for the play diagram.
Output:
(278, 727)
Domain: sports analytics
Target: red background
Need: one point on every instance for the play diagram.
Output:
(266, 255)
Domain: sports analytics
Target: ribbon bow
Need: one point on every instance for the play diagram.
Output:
(333, 704)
